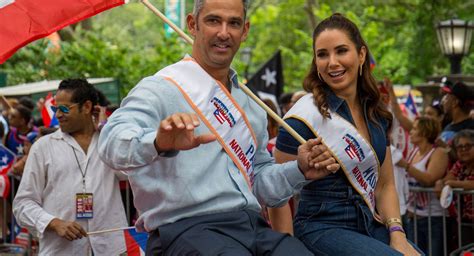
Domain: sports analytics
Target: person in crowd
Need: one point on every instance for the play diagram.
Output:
(457, 102)
(400, 144)
(435, 111)
(296, 96)
(21, 129)
(425, 165)
(285, 102)
(353, 211)
(461, 175)
(272, 126)
(193, 183)
(66, 189)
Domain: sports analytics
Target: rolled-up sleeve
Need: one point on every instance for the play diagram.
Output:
(275, 184)
(127, 140)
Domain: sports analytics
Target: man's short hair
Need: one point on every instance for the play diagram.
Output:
(81, 90)
(199, 4)
(25, 113)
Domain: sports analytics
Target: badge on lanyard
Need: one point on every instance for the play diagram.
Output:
(84, 206)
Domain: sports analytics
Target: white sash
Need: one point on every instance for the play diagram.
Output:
(354, 154)
(218, 110)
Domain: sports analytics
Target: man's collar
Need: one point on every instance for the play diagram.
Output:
(233, 77)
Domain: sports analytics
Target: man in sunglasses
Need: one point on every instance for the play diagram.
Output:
(67, 190)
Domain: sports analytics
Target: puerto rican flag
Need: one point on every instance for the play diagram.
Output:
(49, 117)
(410, 107)
(23, 21)
(7, 158)
(136, 242)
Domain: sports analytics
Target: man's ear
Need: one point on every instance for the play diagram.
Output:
(246, 31)
(191, 23)
(87, 107)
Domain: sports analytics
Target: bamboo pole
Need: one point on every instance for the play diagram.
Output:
(108, 230)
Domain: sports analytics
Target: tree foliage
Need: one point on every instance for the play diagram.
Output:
(128, 42)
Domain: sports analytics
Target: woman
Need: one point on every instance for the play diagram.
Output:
(426, 164)
(461, 175)
(336, 214)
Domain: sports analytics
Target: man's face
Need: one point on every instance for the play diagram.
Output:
(77, 116)
(218, 31)
(15, 119)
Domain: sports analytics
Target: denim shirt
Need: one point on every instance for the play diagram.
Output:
(378, 138)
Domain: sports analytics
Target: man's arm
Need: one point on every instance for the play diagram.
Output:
(149, 123)
(28, 202)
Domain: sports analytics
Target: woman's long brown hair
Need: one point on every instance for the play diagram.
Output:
(366, 84)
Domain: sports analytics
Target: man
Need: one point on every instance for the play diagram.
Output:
(457, 102)
(66, 190)
(193, 177)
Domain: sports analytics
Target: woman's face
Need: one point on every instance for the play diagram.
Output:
(465, 150)
(432, 113)
(338, 61)
(415, 134)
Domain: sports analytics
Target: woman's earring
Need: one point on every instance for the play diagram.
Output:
(319, 75)
(360, 70)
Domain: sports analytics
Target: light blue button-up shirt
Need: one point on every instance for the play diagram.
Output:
(194, 182)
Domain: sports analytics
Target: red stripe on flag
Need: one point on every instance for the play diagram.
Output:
(133, 249)
(24, 21)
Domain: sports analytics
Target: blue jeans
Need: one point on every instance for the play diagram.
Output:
(423, 234)
(332, 219)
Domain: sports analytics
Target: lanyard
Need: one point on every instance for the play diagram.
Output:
(83, 173)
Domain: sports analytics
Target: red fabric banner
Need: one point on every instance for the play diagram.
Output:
(23, 21)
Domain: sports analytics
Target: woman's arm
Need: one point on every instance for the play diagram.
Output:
(438, 163)
(405, 122)
(388, 206)
(281, 218)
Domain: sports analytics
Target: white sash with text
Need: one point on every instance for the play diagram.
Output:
(356, 157)
(218, 110)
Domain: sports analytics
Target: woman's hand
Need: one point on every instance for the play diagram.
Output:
(399, 242)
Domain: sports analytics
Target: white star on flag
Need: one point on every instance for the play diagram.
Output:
(19, 149)
(269, 77)
(4, 159)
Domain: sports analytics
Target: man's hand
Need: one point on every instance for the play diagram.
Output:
(69, 230)
(315, 161)
(176, 132)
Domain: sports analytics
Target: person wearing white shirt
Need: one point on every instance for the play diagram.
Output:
(66, 190)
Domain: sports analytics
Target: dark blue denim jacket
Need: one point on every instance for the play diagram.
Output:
(378, 137)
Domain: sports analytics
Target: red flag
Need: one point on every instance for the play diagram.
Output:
(48, 115)
(23, 21)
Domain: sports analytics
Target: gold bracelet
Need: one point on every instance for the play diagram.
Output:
(391, 221)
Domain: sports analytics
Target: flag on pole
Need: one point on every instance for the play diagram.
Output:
(410, 107)
(23, 21)
(7, 158)
(47, 113)
(136, 242)
(372, 62)
(268, 81)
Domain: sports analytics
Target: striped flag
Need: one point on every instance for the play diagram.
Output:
(23, 21)
(136, 242)
(7, 158)
(410, 107)
(48, 115)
